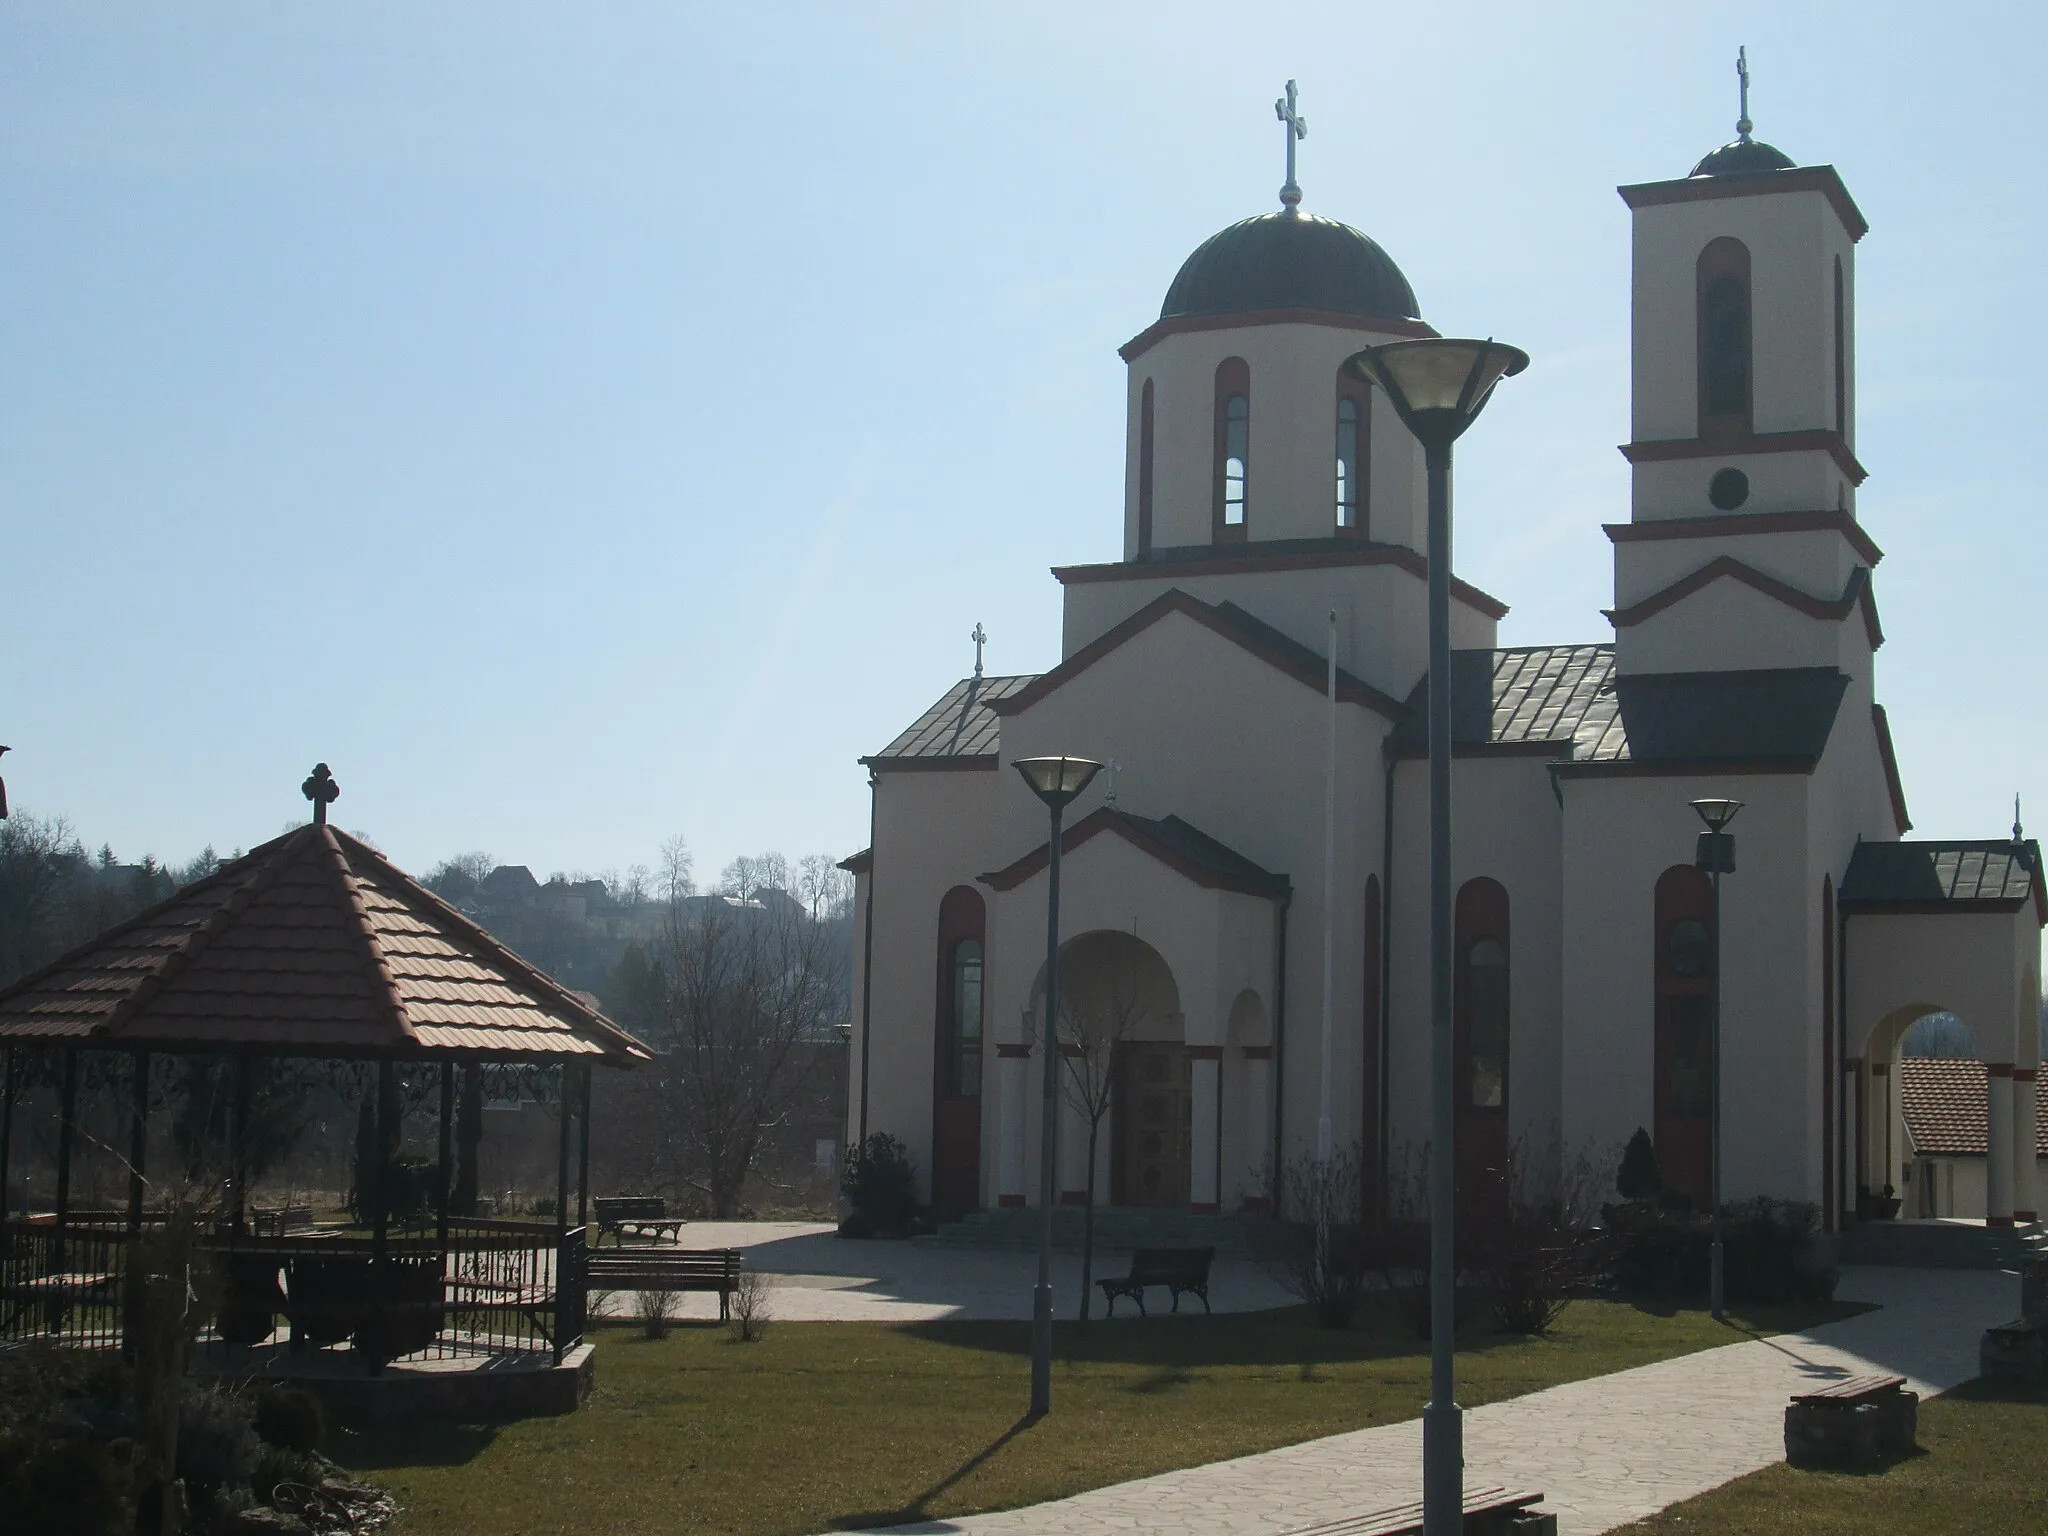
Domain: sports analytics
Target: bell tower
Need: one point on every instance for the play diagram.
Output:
(1743, 420)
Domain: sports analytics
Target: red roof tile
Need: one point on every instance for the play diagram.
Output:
(1944, 1105)
(313, 944)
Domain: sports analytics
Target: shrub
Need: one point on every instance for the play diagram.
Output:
(1774, 1252)
(879, 1182)
(1639, 1178)
(750, 1307)
(1320, 1259)
(657, 1311)
(217, 1447)
(71, 1484)
(289, 1418)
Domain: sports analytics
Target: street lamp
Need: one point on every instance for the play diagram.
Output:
(1716, 856)
(1438, 388)
(1056, 781)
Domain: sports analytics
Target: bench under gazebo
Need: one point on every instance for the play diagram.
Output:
(312, 946)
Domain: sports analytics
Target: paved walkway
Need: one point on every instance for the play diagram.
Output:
(819, 1277)
(1604, 1452)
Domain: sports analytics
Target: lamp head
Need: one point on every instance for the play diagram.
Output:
(1440, 385)
(1716, 813)
(1057, 780)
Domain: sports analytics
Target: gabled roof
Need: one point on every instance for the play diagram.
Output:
(1944, 1104)
(1285, 654)
(1523, 699)
(960, 731)
(1185, 849)
(1569, 702)
(311, 945)
(1995, 875)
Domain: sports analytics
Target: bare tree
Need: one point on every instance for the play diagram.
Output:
(742, 993)
(1090, 1032)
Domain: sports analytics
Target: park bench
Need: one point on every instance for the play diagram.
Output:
(277, 1220)
(637, 1214)
(666, 1269)
(1861, 1421)
(2016, 1352)
(1488, 1512)
(1178, 1269)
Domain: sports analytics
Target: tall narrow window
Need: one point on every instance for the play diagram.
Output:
(1233, 447)
(1354, 422)
(1145, 469)
(966, 1042)
(1683, 1049)
(1841, 355)
(1347, 464)
(1481, 1052)
(1725, 384)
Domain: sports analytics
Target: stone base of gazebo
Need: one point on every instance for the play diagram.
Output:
(460, 1389)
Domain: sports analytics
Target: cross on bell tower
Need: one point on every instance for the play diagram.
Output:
(1296, 127)
(321, 789)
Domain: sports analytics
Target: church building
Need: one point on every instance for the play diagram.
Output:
(1273, 522)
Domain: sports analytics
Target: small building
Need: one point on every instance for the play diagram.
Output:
(1942, 1104)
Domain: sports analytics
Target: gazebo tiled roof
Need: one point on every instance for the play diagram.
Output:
(1946, 1115)
(312, 945)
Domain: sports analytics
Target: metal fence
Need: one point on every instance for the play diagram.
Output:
(491, 1288)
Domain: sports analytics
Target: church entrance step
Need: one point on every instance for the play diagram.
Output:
(1940, 1244)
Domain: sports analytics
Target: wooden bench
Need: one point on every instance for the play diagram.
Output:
(1861, 1421)
(1488, 1512)
(666, 1269)
(1178, 1269)
(277, 1220)
(637, 1214)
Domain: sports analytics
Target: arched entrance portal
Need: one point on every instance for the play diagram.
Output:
(1129, 1075)
(1879, 1157)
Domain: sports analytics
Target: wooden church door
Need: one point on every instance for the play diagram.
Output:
(1157, 1113)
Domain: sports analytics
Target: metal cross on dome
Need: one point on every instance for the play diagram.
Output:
(1296, 128)
(321, 789)
(1742, 124)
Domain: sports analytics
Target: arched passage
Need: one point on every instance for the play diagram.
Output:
(1127, 1076)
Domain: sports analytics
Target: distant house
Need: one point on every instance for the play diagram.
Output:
(1943, 1109)
(509, 885)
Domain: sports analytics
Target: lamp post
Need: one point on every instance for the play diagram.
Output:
(1056, 781)
(1716, 856)
(1438, 387)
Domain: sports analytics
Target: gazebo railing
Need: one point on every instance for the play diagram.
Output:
(492, 1288)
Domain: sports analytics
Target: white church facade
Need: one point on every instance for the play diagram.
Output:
(1273, 516)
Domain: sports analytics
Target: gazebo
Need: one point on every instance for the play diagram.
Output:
(313, 946)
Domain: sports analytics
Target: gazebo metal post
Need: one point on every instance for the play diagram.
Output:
(238, 1145)
(138, 1139)
(583, 1154)
(7, 1148)
(565, 1102)
(447, 1152)
(469, 1137)
(380, 1208)
(67, 1112)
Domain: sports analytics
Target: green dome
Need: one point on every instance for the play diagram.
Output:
(1743, 158)
(1290, 260)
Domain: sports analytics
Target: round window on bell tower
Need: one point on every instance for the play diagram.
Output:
(1728, 489)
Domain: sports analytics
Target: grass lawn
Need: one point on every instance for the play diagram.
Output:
(1982, 1467)
(823, 1424)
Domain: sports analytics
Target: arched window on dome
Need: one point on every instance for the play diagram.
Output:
(1354, 436)
(1233, 447)
(1725, 361)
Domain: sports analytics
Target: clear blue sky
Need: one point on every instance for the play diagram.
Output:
(582, 425)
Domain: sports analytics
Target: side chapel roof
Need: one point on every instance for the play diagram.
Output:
(313, 944)
(1944, 1105)
(1996, 874)
(1182, 847)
